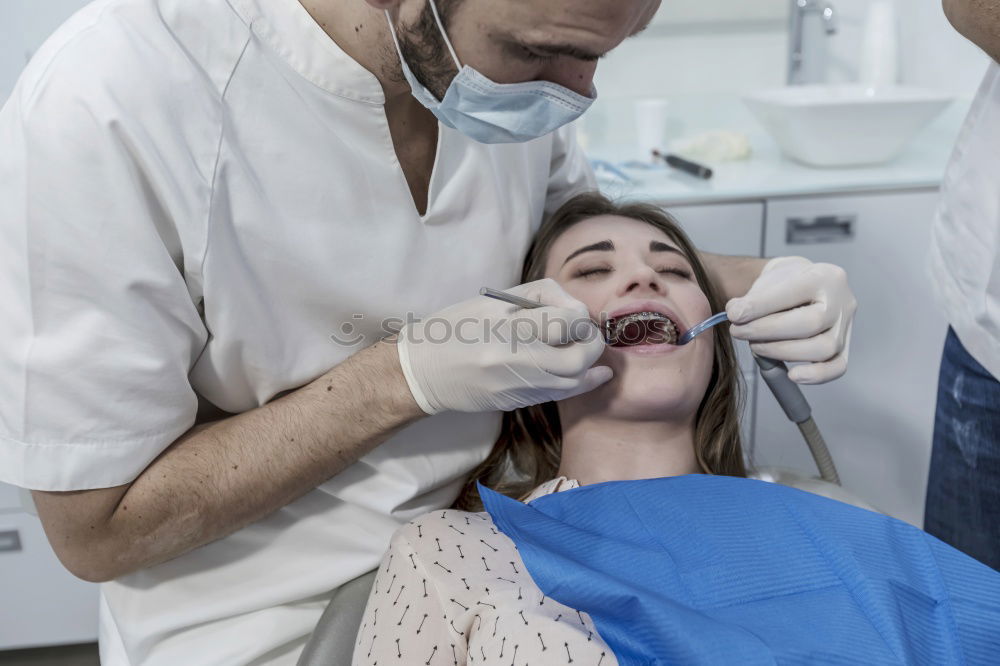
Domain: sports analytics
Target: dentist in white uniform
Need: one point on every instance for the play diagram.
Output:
(209, 208)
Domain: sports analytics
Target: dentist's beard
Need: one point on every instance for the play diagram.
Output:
(426, 53)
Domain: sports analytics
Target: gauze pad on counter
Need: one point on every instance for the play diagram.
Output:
(715, 146)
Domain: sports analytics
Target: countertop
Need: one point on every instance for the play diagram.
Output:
(766, 173)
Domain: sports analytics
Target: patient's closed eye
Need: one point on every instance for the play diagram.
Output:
(593, 271)
(680, 272)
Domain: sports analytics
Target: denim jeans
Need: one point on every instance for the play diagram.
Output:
(963, 488)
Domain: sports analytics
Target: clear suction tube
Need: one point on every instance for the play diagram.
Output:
(789, 396)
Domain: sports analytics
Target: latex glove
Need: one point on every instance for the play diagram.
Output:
(797, 310)
(530, 356)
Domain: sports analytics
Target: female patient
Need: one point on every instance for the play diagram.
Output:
(450, 584)
(453, 588)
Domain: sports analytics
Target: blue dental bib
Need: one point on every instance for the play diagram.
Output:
(719, 570)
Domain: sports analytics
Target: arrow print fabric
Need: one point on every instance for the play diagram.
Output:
(452, 590)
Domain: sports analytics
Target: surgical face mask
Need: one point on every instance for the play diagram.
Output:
(491, 112)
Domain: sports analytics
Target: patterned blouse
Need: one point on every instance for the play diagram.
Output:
(452, 590)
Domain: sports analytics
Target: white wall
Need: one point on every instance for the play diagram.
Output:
(698, 60)
(723, 55)
(932, 53)
(24, 25)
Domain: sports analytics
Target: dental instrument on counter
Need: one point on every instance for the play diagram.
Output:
(775, 373)
(687, 166)
(606, 168)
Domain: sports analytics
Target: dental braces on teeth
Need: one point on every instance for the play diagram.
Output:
(615, 328)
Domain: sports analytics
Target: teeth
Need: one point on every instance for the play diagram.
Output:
(614, 328)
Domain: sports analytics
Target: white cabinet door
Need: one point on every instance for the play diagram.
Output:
(40, 602)
(878, 418)
(726, 228)
(729, 228)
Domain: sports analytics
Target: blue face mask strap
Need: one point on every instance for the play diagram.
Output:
(392, 31)
(444, 35)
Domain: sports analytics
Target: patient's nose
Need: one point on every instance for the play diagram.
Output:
(643, 280)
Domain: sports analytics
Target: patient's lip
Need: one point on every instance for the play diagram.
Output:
(647, 350)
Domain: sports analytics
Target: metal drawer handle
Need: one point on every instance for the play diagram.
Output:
(10, 541)
(820, 229)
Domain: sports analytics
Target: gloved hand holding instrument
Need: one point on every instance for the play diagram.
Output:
(797, 310)
(484, 355)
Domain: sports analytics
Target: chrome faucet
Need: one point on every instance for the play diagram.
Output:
(807, 58)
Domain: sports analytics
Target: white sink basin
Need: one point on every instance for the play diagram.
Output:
(841, 125)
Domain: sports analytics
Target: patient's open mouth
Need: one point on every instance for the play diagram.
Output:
(640, 328)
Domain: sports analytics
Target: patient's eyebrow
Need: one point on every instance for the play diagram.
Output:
(603, 246)
(659, 246)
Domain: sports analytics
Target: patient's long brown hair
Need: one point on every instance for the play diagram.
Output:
(529, 447)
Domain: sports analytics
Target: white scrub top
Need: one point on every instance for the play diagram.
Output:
(965, 242)
(195, 195)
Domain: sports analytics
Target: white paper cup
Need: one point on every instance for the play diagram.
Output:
(650, 126)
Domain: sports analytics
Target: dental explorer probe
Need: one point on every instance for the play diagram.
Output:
(775, 374)
(509, 298)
